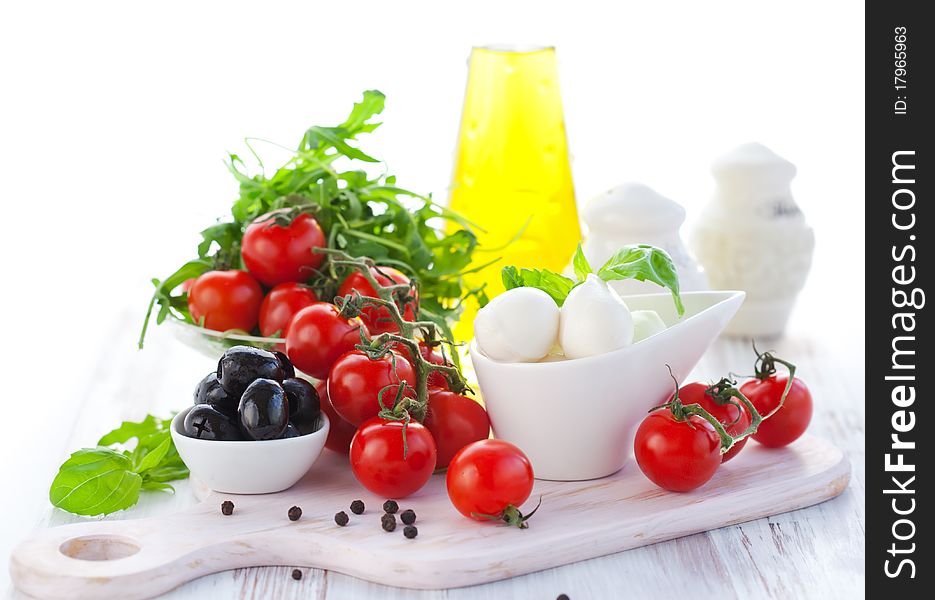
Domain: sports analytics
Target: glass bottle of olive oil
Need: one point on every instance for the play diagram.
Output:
(512, 175)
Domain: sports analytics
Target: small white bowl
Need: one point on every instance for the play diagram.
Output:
(575, 419)
(249, 467)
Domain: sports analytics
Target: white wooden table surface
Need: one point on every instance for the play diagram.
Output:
(816, 552)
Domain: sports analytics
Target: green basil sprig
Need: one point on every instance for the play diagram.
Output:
(636, 261)
(102, 480)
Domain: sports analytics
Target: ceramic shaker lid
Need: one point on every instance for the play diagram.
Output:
(633, 207)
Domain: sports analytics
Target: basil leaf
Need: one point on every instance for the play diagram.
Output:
(149, 484)
(131, 429)
(150, 458)
(555, 285)
(95, 481)
(581, 265)
(166, 472)
(511, 277)
(644, 263)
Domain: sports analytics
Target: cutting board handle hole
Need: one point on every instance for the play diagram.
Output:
(99, 547)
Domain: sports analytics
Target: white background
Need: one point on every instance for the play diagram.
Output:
(115, 118)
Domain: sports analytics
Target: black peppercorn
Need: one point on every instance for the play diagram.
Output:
(562, 597)
(389, 522)
(390, 507)
(295, 513)
(341, 518)
(410, 531)
(296, 574)
(357, 507)
(408, 516)
(227, 508)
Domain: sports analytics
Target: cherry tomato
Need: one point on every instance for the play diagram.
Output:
(382, 465)
(378, 318)
(488, 477)
(675, 455)
(280, 305)
(726, 414)
(355, 381)
(341, 432)
(275, 254)
(226, 300)
(791, 420)
(455, 421)
(318, 335)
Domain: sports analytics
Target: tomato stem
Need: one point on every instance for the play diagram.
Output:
(391, 297)
(511, 515)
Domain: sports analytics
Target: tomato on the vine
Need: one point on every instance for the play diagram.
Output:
(435, 379)
(225, 300)
(378, 318)
(677, 455)
(455, 421)
(276, 253)
(791, 420)
(355, 382)
(386, 463)
(734, 417)
(490, 479)
(341, 432)
(318, 335)
(280, 305)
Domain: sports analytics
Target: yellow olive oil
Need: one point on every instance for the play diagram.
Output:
(512, 175)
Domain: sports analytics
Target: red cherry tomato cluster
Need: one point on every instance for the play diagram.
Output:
(391, 453)
(278, 253)
(680, 445)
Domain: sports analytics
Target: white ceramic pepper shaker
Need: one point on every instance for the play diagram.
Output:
(633, 213)
(753, 237)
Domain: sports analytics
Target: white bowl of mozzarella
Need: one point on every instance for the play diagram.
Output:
(574, 413)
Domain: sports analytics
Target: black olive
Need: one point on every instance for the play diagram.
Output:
(287, 369)
(290, 431)
(304, 404)
(242, 365)
(209, 391)
(264, 410)
(205, 422)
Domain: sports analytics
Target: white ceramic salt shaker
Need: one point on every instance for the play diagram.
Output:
(633, 213)
(753, 237)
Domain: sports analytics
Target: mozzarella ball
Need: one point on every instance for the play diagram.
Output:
(594, 320)
(519, 325)
(645, 324)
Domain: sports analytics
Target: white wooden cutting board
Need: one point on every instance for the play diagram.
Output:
(145, 557)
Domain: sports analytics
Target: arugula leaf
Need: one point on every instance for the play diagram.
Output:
(103, 480)
(581, 265)
(361, 214)
(95, 481)
(644, 263)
